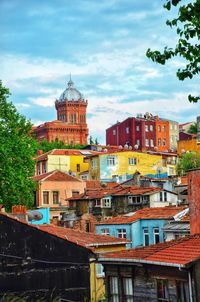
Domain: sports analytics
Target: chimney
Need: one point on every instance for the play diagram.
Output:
(40, 152)
(194, 200)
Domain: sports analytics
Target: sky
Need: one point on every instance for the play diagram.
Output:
(102, 43)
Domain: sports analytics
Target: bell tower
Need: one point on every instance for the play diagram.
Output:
(71, 110)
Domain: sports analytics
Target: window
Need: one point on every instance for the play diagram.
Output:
(165, 196)
(137, 128)
(161, 196)
(78, 168)
(164, 128)
(145, 198)
(94, 163)
(114, 132)
(146, 142)
(45, 197)
(128, 289)
(127, 130)
(159, 128)
(44, 170)
(152, 143)
(75, 193)
(38, 169)
(87, 226)
(164, 142)
(182, 291)
(55, 197)
(138, 142)
(162, 290)
(121, 233)
(156, 235)
(151, 127)
(133, 199)
(105, 232)
(114, 289)
(146, 128)
(159, 142)
(99, 270)
(132, 161)
(97, 203)
(146, 237)
(106, 202)
(111, 161)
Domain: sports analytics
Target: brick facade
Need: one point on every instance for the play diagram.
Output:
(194, 200)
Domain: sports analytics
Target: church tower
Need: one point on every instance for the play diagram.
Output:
(71, 111)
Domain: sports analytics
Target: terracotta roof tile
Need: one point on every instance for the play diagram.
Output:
(146, 213)
(55, 175)
(182, 251)
(88, 240)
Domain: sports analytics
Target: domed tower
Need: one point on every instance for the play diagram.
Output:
(71, 109)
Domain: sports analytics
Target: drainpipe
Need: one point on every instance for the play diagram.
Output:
(190, 286)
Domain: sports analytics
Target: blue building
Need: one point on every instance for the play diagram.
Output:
(142, 228)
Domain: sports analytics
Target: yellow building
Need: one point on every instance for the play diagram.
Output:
(188, 145)
(71, 161)
(121, 165)
(97, 287)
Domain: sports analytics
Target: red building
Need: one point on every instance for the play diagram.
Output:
(137, 132)
(70, 126)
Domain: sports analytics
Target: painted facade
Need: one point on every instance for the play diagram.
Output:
(135, 227)
(70, 161)
(120, 166)
(162, 135)
(188, 145)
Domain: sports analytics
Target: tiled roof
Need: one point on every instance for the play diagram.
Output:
(117, 190)
(146, 213)
(66, 152)
(55, 175)
(96, 184)
(88, 240)
(180, 252)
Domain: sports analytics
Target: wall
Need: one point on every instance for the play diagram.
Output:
(78, 159)
(162, 135)
(56, 267)
(58, 162)
(194, 200)
(155, 200)
(146, 164)
(188, 145)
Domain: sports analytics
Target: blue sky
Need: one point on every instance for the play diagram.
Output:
(102, 43)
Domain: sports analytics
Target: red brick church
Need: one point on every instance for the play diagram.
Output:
(70, 126)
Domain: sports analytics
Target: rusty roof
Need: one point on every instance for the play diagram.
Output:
(146, 213)
(88, 240)
(181, 252)
(55, 175)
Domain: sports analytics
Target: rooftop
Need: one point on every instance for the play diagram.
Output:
(181, 252)
(67, 152)
(88, 240)
(55, 175)
(146, 213)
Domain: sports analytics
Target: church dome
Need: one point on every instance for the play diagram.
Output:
(71, 93)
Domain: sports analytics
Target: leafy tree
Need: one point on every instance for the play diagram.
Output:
(46, 146)
(193, 129)
(96, 141)
(187, 26)
(91, 141)
(187, 161)
(16, 151)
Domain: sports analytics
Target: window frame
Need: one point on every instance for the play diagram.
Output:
(105, 232)
(46, 191)
(156, 234)
(132, 161)
(58, 197)
(145, 235)
(121, 233)
(111, 160)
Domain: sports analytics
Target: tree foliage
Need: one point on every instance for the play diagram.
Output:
(17, 149)
(187, 26)
(193, 128)
(46, 146)
(187, 161)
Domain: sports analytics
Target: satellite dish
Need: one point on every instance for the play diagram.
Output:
(136, 147)
(120, 147)
(156, 148)
(105, 150)
(130, 147)
(125, 146)
(34, 215)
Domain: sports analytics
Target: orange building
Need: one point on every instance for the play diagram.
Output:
(162, 135)
(70, 126)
